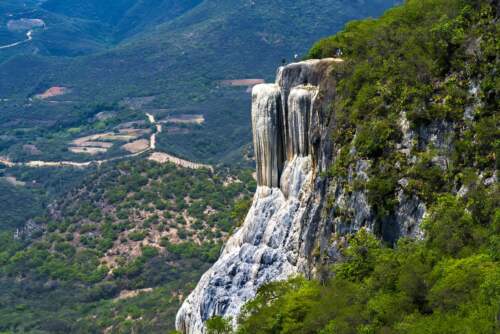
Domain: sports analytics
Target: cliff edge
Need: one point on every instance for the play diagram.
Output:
(288, 128)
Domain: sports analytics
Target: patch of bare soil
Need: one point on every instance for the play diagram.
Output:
(136, 146)
(175, 130)
(100, 144)
(167, 158)
(53, 92)
(249, 83)
(87, 150)
(105, 115)
(231, 180)
(243, 82)
(127, 294)
(13, 181)
(31, 149)
(24, 24)
(185, 119)
(137, 102)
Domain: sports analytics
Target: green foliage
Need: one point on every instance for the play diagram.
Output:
(206, 252)
(427, 179)
(361, 256)
(87, 39)
(450, 227)
(372, 139)
(218, 325)
(137, 235)
(240, 210)
(65, 267)
(17, 205)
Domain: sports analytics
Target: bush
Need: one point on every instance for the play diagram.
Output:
(450, 227)
(137, 235)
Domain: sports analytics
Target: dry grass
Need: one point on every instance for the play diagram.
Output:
(127, 294)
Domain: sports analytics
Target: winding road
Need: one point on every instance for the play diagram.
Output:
(29, 37)
(158, 156)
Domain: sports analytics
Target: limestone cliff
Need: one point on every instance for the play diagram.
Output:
(295, 208)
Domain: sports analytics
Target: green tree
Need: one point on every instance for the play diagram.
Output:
(219, 325)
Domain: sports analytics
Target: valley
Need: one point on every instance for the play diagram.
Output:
(109, 60)
(91, 145)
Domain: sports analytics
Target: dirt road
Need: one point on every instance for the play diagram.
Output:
(155, 156)
(29, 37)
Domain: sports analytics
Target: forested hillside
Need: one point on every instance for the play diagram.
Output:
(437, 62)
(120, 250)
(124, 17)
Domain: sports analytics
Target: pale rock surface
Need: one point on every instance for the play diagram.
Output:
(264, 249)
(310, 72)
(300, 102)
(267, 133)
(267, 246)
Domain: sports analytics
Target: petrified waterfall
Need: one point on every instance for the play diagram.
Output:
(300, 103)
(269, 245)
(267, 133)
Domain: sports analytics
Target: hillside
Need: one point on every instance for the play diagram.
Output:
(75, 28)
(118, 251)
(169, 69)
(176, 53)
(125, 17)
(377, 185)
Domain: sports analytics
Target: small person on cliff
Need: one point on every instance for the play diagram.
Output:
(338, 53)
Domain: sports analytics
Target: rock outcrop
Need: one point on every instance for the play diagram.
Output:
(266, 247)
(295, 210)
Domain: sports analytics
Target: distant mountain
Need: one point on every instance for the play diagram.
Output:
(125, 17)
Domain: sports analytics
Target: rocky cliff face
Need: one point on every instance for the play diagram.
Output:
(295, 210)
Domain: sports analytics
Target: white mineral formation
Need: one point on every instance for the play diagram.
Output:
(267, 133)
(300, 103)
(266, 247)
(307, 73)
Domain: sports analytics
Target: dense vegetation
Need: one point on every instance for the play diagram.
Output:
(25, 192)
(448, 283)
(435, 61)
(120, 250)
(16, 205)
